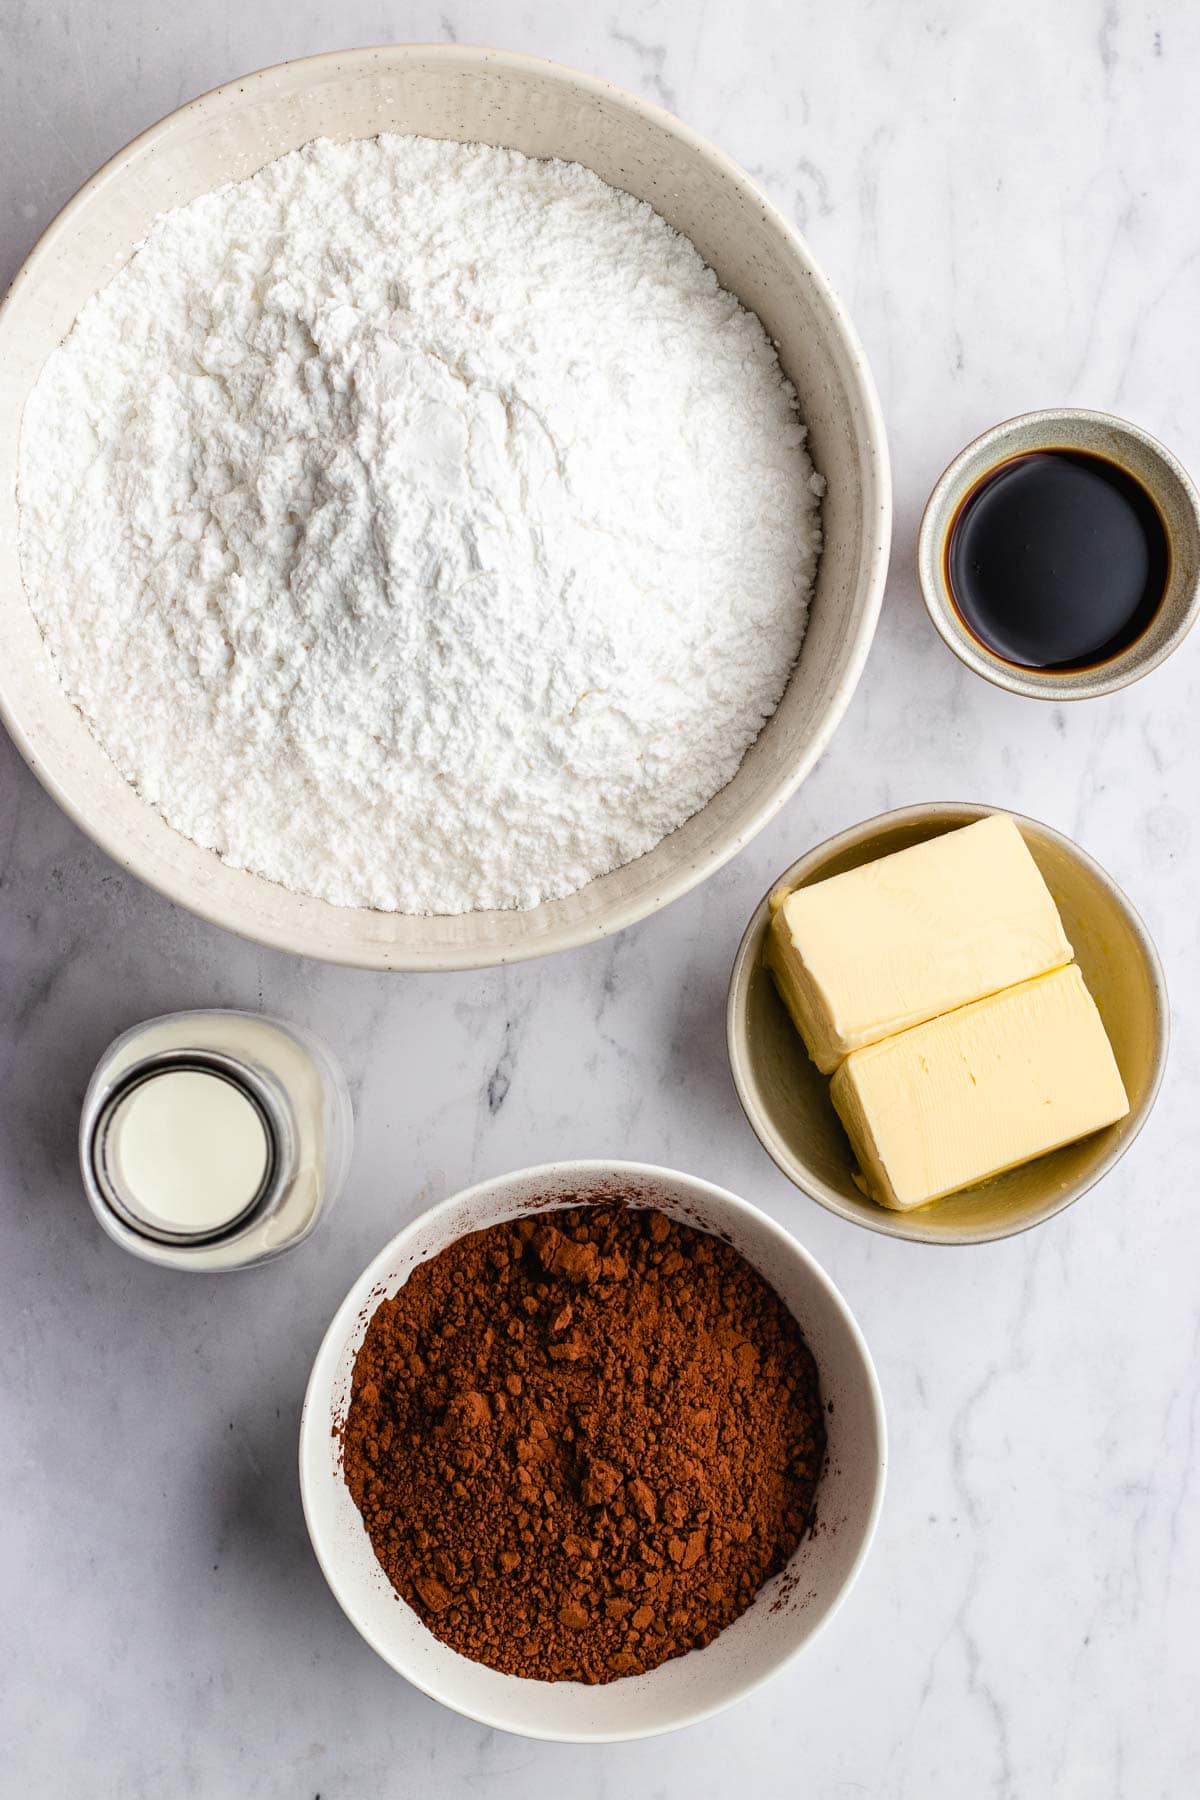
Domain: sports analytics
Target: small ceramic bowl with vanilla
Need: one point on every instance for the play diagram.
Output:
(1059, 554)
(788, 1100)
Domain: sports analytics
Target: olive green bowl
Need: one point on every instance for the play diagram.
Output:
(787, 1100)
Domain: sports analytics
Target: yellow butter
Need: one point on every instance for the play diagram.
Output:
(883, 947)
(977, 1091)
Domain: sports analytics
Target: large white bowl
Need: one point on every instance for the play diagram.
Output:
(449, 91)
(788, 1610)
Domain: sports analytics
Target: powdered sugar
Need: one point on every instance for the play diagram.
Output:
(419, 525)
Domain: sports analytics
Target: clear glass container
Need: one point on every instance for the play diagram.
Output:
(265, 1136)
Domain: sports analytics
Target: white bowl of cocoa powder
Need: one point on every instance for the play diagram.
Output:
(592, 1450)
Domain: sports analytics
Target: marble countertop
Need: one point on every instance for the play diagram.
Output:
(1006, 199)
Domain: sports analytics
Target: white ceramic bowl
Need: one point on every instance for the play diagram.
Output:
(788, 1610)
(1117, 441)
(449, 91)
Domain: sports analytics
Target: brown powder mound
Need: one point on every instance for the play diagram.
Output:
(581, 1442)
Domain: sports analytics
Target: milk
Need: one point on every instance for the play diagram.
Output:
(188, 1150)
(212, 1140)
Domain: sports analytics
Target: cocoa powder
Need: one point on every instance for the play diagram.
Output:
(581, 1442)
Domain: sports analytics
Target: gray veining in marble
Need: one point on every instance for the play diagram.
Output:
(1006, 197)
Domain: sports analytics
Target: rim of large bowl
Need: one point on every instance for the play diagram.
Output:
(909, 1226)
(304, 938)
(347, 1316)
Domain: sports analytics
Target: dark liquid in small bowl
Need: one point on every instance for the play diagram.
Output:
(1057, 559)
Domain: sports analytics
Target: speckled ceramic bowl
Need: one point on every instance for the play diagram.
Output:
(450, 91)
(786, 1613)
(787, 1100)
(1134, 450)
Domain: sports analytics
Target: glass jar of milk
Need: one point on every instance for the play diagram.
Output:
(214, 1140)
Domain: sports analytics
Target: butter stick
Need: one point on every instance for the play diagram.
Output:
(977, 1091)
(912, 935)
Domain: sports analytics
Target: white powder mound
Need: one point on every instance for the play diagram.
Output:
(419, 525)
